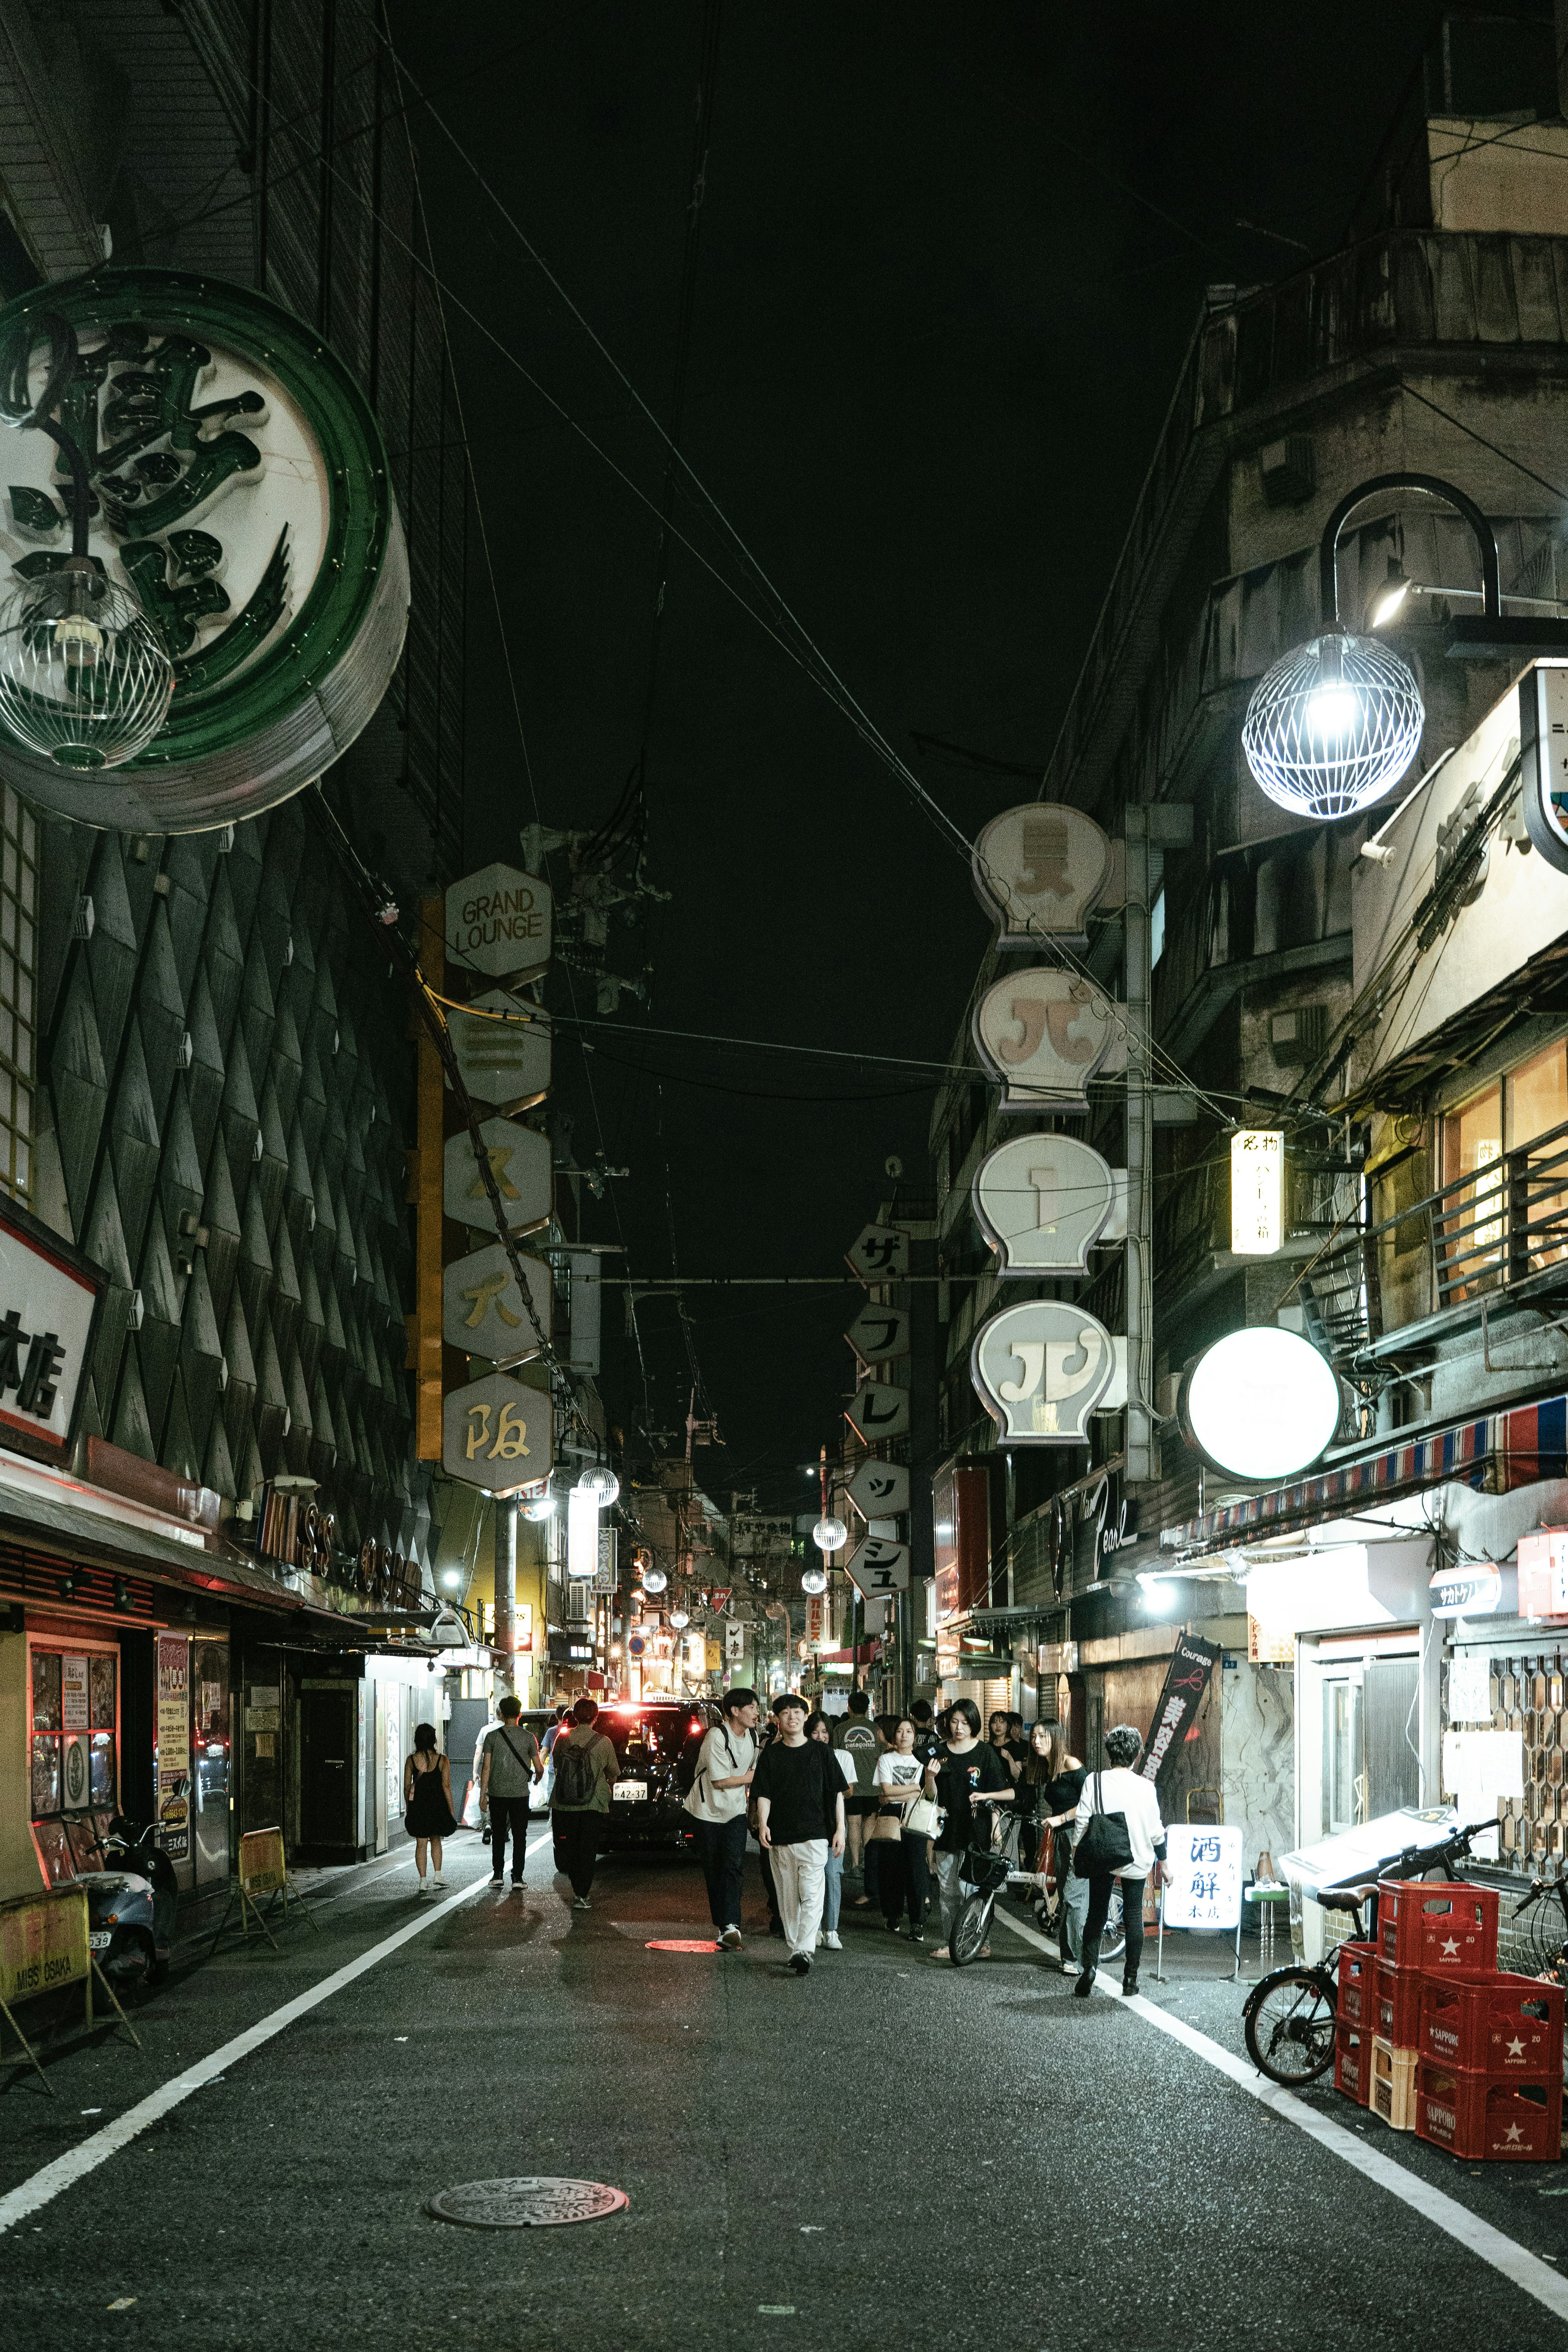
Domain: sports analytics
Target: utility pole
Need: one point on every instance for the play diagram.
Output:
(506, 1587)
(1148, 830)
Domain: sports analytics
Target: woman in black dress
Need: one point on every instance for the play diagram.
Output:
(428, 1794)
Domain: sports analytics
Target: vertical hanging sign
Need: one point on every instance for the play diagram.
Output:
(174, 1744)
(1256, 1191)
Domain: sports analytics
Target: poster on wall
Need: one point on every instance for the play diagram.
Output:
(174, 1744)
(73, 1694)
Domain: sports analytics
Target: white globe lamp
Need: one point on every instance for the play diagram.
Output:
(600, 1484)
(1333, 725)
(813, 1580)
(679, 1620)
(654, 1580)
(829, 1533)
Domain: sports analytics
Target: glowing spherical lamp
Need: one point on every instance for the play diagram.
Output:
(1262, 1403)
(654, 1580)
(679, 1620)
(601, 1483)
(84, 679)
(829, 1533)
(813, 1580)
(1333, 725)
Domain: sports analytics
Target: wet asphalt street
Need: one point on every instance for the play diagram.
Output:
(890, 2154)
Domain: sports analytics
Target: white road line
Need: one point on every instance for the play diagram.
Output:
(45, 2186)
(1515, 2262)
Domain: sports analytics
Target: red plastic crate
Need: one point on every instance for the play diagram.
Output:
(1512, 2025)
(1353, 2063)
(1358, 1986)
(1396, 2014)
(1446, 1930)
(1494, 2123)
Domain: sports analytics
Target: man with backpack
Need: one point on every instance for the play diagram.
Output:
(509, 1767)
(585, 1765)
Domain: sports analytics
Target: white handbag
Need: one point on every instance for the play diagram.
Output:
(926, 1818)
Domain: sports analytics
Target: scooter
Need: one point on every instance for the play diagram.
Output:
(131, 1905)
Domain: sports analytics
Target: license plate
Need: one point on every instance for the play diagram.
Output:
(100, 1940)
(629, 1792)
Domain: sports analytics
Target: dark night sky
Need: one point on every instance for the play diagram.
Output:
(949, 260)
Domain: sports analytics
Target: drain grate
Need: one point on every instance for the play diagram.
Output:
(534, 2200)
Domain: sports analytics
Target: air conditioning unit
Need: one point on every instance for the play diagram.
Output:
(579, 1595)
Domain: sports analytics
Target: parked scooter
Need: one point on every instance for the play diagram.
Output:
(131, 1905)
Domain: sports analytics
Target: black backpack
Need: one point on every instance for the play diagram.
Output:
(574, 1773)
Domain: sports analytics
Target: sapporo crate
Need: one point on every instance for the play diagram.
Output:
(1487, 2121)
(1505, 2025)
(1396, 2014)
(1358, 1978)
(1445, 1930)
(1353, 2063)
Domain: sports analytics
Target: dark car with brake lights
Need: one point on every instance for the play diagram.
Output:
(656, 1743)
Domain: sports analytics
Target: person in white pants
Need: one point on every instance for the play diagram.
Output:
(799, 1792)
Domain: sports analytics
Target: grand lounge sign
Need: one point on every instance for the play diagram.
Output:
(239, 492)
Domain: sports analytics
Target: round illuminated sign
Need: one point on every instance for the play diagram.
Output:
(240, 493)
(1262, 1403)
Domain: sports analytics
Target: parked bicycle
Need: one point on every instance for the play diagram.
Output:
(1290, 2014)
(988, 1872)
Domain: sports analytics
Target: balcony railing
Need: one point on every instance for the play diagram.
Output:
(1504, 1224)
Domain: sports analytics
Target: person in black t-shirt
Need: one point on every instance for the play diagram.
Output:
(967, 1776)
(1062, 1793)
(799, 1791)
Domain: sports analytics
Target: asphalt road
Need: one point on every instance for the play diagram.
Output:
(890, 2154)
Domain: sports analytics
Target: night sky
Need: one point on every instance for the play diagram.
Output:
(948, 261)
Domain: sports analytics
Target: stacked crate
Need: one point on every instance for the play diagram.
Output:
(1468, 2056)
(1355, 2021)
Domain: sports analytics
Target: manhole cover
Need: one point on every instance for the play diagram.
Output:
(682, 1944)
(535, 2202)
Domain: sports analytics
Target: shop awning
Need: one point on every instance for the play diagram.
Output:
(1493, 1454)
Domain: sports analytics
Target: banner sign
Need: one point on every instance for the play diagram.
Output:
(1192, 1660)
(43, 1943)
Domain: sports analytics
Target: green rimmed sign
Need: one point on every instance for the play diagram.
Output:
(240, 488)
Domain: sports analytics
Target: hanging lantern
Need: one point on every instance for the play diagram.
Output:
(654, 1580)
(813, 1580)
(602, 1484)
(1333, 725)
(84, 679)
(829, 1534)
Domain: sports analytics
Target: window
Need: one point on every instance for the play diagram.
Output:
(18, 963)
(1157, 930)
(1538, 1097)
(73, 1751)
(1512, 1219)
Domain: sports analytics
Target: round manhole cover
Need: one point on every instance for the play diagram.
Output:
(534, 2201)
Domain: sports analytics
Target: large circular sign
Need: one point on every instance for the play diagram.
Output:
(240, 489)
(1262, 1403)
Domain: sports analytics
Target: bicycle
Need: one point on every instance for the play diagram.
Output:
(988, 1872)
(1289, 2015)
(1046, 1903)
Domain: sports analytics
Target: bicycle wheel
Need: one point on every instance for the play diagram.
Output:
(970, 1931)
(1290, 2027)
(1113, 1942)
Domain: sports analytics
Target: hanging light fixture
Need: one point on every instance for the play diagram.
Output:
(813, 1580)
(1333, 724)
(654, 1580)
(601, 1483)
(542, 1507)
(829, 1533)
(679, 1620)
(85, 678)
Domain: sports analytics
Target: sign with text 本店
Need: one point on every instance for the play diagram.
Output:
(1203, 1875)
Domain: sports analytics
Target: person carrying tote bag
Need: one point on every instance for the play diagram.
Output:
(903, 1881)
(1118, 1834)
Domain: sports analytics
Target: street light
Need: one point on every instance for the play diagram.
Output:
(829, 1533)
(602, 1484)
(813, 1580)
(1333, 724)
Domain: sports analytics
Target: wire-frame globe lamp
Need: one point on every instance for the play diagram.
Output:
(829, 1533)
(601, 1484)
(814, 1581)
(1333, 724)
(85, 678)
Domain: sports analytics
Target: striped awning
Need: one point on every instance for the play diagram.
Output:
(1494, 1454)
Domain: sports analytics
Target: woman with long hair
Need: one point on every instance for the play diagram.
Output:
(428, 1794)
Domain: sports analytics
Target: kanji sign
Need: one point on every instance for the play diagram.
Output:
(483, 1310)
(240, 489)
(880, 1490)
(520, 1158)
(1044, 1202)
(1256, 1191)
(752, 1536)
(1202, 1876)
(880, 1410)
(1044, 1033)
(502, 1047)
(49, 1297)
(879, 1566)
(1042, 1367)
(882, 1254)
(496, 1434)
(1038, 869)
(499, 922)
(880, 1333)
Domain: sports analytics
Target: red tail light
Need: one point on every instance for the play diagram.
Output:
(695, 1724)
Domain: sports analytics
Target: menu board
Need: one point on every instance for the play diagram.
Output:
(174, 1744)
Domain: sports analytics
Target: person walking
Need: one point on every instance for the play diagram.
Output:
(818, 1727)
(926, 1741)
(428, 1798)
(799, 1790)
(1000, 1737)
(853, 1733)
(717, 1803)
(509, 1767)
(1035, 1774)
(904, 1881)
(965, 1773)
(1125, 1791)
(1062, 1793)
(585, 1765)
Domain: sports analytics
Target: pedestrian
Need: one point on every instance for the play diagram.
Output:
(904, 1883)
(1036, 1772)
(1017, 1741)
(717, 1803)
(799, 1790)
(1062, 1793)
(926, 1742)
(427, 1797)
(997, 1733)
(965, 1772)
(1125, 1791)
(585, 1764)
(818, 1727)
(508, 1770)
(854, 1734)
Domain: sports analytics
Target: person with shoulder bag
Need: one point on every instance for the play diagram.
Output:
(904, 1881)
(1118, 1834)
(716, 1801)
(428, 1794)
(965, 1773)
(509, 1767)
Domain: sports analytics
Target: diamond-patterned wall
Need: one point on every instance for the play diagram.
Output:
(231, 1092)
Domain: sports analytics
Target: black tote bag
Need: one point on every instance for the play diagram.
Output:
(1105, 1847)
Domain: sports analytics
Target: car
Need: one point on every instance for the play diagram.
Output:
(655, 1745)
